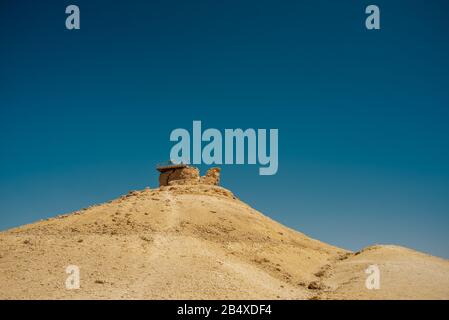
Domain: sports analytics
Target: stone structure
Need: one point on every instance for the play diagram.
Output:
(187, 175)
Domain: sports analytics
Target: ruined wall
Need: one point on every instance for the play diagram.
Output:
(212, 177)
(189, 175)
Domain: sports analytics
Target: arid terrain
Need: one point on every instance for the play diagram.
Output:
(199, 242)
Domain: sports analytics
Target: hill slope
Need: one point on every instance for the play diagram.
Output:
(197, 242)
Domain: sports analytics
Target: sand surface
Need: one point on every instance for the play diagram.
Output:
(199, 242)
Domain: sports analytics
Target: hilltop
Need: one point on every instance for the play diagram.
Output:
(192, 239)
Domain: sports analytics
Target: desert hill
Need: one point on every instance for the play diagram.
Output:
(192, 239)
(405, 274)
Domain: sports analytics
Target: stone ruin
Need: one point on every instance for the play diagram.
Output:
(184, 174)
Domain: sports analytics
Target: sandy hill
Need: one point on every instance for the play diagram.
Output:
(198, 241)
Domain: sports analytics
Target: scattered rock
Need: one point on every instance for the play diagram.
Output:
(146, 238)
(315, 285)
(261, 261)
(344, 256)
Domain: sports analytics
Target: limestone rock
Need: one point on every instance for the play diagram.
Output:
(212, 177)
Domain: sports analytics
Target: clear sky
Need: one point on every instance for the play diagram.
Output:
(362, 115)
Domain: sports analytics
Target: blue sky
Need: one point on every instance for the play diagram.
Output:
(362, 115)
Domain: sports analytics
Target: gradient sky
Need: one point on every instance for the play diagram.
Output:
(362, 115)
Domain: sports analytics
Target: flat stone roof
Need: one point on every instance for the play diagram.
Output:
(169, 166)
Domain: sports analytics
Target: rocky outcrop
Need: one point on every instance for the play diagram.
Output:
(212, 177)
(189, 175)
